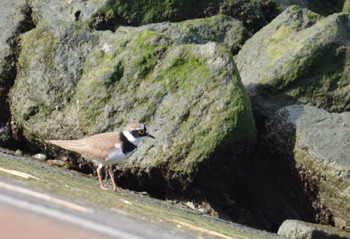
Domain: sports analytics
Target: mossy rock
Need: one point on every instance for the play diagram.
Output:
(299, 57)
(49, 66)
(190, 96)
(73, 82)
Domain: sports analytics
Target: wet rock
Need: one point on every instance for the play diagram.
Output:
(317, 143)
(298, 57)
(294, 229)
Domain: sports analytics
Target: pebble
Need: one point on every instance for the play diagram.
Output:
(40, 156)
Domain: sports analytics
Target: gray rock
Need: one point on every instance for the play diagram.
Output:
(318, 143)
(294, 229)
(298, 57)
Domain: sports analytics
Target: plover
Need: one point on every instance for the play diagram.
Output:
(107, 148)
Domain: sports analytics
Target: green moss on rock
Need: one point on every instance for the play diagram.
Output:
(300, 57)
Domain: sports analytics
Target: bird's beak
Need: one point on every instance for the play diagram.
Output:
(151, 136)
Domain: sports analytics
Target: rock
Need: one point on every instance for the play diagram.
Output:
(317, 143)
(13, 21)
(40, 156)
(72, 82)
(294, 229)
(298, 57)
(19, 152)
(49, 66)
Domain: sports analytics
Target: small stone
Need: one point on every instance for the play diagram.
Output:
(58, 163)
(294, 229)
(19, 152)
(40, 156)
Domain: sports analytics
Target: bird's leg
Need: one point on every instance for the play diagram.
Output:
(99, 169)
(110, 171)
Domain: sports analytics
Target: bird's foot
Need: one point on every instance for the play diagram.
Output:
(103, 187)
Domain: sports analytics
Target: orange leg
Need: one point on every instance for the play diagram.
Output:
(110, 171)
(99, 170)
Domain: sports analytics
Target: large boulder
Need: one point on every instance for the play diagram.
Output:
(317, 144)
(72, 82)
(298, 57)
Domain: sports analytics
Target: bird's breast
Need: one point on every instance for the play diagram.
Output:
(116, 156)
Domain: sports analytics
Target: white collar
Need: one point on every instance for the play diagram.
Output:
(132, 139)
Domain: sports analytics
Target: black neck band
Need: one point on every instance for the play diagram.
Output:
(127, 146)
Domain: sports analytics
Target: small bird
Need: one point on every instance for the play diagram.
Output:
(107, 148)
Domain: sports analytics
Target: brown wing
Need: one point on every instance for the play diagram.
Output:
(98, 146)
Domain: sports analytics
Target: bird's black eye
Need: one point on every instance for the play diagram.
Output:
(141, 132)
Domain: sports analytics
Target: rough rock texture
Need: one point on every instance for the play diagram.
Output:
(298, 57)
(72, 81)
(294, 229)
(13, 21)
(317, 142)
(49, 66)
